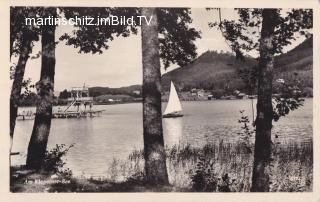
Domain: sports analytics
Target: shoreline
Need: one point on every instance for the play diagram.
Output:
(236, 160)
(164, 101)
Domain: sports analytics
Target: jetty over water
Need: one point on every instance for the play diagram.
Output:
(77, 114)
(80, 104)
(81, 101)
(26, 115)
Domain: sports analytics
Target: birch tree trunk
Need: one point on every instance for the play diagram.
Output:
(41, 128)
(17, 82)
(154, 152)
(262, 151)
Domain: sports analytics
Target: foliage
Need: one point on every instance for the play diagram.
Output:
(289, 98)
(53, 161)
(176, 38)
(22, 36)
(244, 34)
(27, 96)
(128, 90)
(96, 38)
(18, 28)
(27, 88)
(249, 76)
(218, 93)
(292, 170)
(203, 178)
(177, 41)
(246, 133)
(223, 167)
(236, 167)
(64, 94)
(296, 177)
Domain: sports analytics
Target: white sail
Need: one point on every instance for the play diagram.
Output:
(174, 104)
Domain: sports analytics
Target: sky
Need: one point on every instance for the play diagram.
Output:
(121, 64)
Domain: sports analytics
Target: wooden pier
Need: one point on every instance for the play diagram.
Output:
(80, 105)
(77, 114)
(24, 117)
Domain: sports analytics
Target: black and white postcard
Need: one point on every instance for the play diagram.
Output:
(181, 101)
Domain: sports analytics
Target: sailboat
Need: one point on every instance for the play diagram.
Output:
(174, 106)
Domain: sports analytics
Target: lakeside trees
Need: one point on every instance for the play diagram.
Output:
(154, 152)
(175, 45)
(21, 42)
(168, 38)
(262, 149)
(278, 29)
(41, 128)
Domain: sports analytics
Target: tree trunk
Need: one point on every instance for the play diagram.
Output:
(41, 128)
(262, 151)
(17, 82)
(154, 153)
(11, 46)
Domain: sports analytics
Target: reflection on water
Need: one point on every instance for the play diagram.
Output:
(172, 128)
(119, 131)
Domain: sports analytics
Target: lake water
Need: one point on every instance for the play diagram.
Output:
(118, 131)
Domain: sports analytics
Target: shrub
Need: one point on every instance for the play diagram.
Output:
(204, 179)
(246, 133)
(53, 161)
(218, 93)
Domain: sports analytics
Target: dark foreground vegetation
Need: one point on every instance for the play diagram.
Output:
(216, 167)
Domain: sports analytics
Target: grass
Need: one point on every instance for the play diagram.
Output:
(291, 166)
(215, 167)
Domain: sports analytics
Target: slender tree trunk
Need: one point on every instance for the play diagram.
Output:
(154, 153)
(11, 46)
(41, 128)
(17, 82)
(262, 151)
(12, 29)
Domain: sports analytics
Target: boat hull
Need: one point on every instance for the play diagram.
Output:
(172, 115)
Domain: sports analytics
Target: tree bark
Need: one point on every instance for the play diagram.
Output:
(154, 152)
(262, 151)
(26, 49)
(41, 128)
(11, 46)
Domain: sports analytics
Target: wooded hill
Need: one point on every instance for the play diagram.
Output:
(220, 71)
(127, 90)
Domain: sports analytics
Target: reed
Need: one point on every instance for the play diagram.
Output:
(224, 166)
